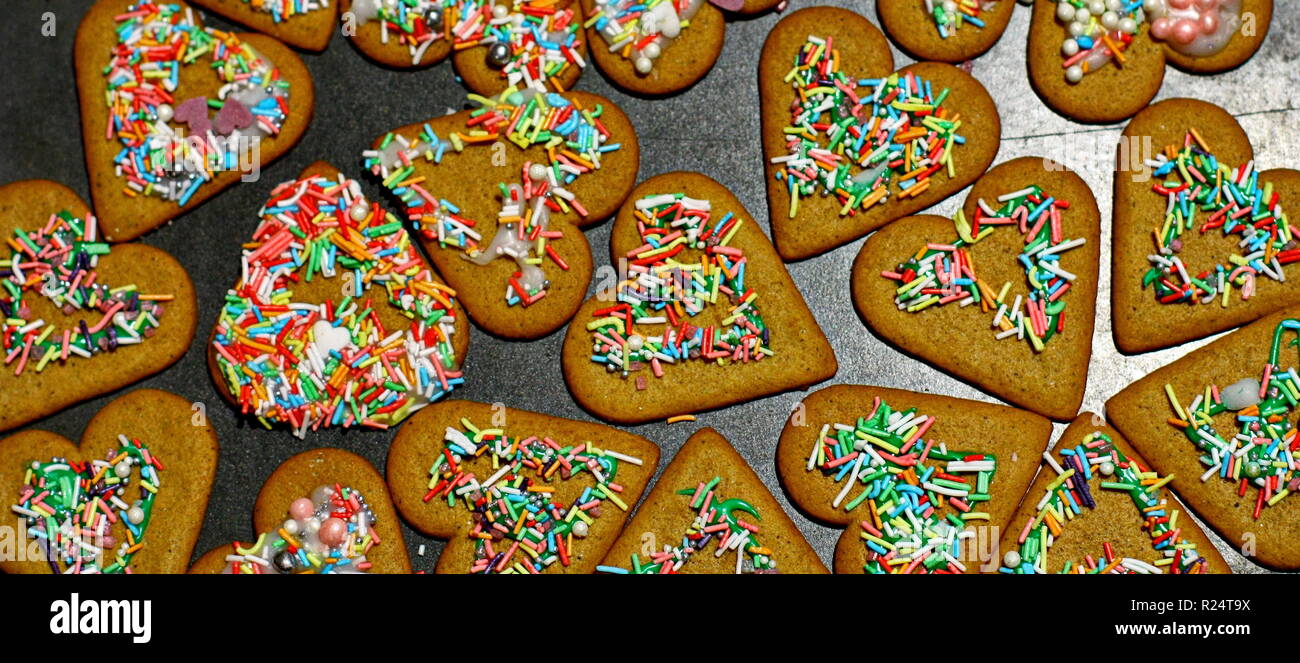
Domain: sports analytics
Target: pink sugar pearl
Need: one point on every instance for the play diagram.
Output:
(301, 509)
(333, 532)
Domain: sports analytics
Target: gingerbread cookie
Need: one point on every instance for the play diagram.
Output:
(710, 513)
(704, 314)
(80, 317)
(1104, 60)
(1221, 422)
(499, 195)
(1170, 282)
(336, 320)
(885, 462)
(516, 491)
(945, 30)
(129, 498)
(495, 44)
(173, 112)
(658, 49)
(852, 145)
(305, 24)
(1097, 507)
(1013, 275)
(321, 511)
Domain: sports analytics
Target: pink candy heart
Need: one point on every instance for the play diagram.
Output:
(193, 112)
(233, 115)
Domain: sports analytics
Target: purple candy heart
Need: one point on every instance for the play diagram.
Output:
(193, 112)
(233, 115)
(729, 5)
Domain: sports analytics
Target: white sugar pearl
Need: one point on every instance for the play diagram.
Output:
(135, 515)
(651, 50)
(122, 470)
(1069, 47)
(359, 210)
(1107, 468)
(1065, 11)
(1114, 5)
(580, 529)
(671, 30)
(1011, 560)
(165, 112)
(1110, 20)
(537, 171)
(1156, 8)
(644, 65)
(1097, 7)
(500, 11)
(291, 526)
(1128, 26)
(1074, 74)
(950, 6)
(1077, 29)
(313, 524)
(635, 342)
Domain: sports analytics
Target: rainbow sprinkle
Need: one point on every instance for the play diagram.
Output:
(74, 508)
(854, 138)
(58, 261)
(950, 15)
(940, 274)
(1238, 204)
(283, 10)
(329, 533)
(310, 365)
(906, 480)
(574, 140)
(1069, 493)
(520, 526)
(1261, 453)
(663, 287)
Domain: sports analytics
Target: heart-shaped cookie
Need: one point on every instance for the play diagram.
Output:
(1105, 66)
(851, 145)
(336, 320)
(1186, 262)
(310, 490)
(305, 24)
(135, 490)
(1096, 507)
(655, 50)
(703, 313)
(494, 44)
(945, 30)
(516, 491)
(138, 63)
(1221, 421)
(878, 461)
(1021, 298)
(710, 513)
(80, 317)
(499, 195)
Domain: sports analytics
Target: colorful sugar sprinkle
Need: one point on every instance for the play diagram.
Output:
(520, 524)
(310, 365)
(951, 15)
(573, 139)
(283, 10)
(941, 274)
(74, 507)
(330, 532)
(58, 262)
(906, 480)
(639, 30)
(665, 287)
(1070, 493)
(1238, 204)
(1261, 455)
(715, 520)
(154, 41)
(854, 138)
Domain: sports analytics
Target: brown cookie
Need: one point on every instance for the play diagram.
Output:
(127, 217)
(664, 520)
(1050, 382)
(1144, 414)
(1014, 437)
(684, 60)
(1113, 519)
(416, 492)
(321, 289)
(28, 205)
(1141, 322)
(481, 77)
(916, 32)
(801, 354)
(309, 31)
(163, 422)
(1117, 91)
(863, 53)
(298, 477)
(481, 287)
(367, 34)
